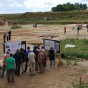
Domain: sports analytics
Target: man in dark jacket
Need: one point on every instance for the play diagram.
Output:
(9, 32)
(22, 52)
(17, 57)
(52, 56)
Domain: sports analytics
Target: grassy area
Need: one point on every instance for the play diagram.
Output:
(65, 17)
(77, 85)
(15, 27)
(79, 52)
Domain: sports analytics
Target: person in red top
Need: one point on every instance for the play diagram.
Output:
(64, 29)
(5, 56)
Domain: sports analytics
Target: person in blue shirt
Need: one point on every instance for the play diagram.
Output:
(26, 58)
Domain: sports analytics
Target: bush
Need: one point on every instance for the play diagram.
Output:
(15, 27)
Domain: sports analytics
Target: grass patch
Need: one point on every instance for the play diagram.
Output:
(77, 85)
(80, 51)
(16, 27)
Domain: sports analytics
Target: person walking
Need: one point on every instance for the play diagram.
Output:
(10, 64)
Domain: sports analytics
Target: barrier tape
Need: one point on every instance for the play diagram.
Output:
(84, 76)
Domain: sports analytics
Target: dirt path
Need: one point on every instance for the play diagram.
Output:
(57, 77)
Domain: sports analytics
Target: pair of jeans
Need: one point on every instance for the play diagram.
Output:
(17, 71)
(10, 75)
(26, 66)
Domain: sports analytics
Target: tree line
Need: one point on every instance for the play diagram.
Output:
(69, 7)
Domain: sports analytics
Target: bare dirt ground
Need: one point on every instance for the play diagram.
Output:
(56, 77)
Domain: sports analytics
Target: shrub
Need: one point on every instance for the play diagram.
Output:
(15, 27)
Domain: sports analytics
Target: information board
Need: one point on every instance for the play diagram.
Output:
(13, 46)
(52, 43)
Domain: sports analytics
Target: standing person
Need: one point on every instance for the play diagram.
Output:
(5, 56)
(17, 57)
(22, 59)
(9, 34)
(78, 29)
(44, 56)
(10, 64)
(9, 23)
(4, 37)
(65, 30)
(52, 56)
(26, 58)
(40, 61)
(36, 51)
(87, 27)
(31, 57)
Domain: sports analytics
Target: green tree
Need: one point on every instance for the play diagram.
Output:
(69, 7)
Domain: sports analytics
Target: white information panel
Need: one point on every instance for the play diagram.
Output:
(13, 46)
(52, 43)
(48, 44)
(57, 46)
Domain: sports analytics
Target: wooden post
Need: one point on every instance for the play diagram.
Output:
(80, 82)
(60, 63)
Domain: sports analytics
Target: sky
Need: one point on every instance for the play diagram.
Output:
(22, 6)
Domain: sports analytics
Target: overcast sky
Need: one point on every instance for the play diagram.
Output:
(22, 6)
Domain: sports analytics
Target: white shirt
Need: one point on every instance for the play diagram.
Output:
(31, 57)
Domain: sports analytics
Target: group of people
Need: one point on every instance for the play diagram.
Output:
(7, 36)
(35, 59)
